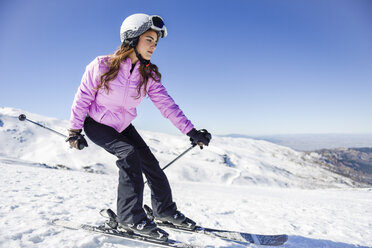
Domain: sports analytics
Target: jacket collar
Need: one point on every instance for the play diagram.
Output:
(126, 66)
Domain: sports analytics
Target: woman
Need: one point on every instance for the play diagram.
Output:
(105, 105)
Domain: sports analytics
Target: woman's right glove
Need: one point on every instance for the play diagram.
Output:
(199, 137)
(76, 139)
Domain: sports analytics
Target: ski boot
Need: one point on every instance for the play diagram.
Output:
(145, 227)
(177, 220)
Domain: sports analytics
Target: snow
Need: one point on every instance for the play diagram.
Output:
(262, 188)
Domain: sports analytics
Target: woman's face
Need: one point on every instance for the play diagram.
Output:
(147, 44)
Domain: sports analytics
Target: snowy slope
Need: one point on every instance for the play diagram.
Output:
(32, 196)
(238, 184)
(229, 161)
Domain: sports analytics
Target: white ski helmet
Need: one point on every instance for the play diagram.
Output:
(135, 25)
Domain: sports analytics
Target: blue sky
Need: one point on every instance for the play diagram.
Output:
(249, 67)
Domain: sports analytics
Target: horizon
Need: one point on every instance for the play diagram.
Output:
(217, 134)
(298, 142)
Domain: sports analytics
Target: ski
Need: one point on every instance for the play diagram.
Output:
(239, 237)
(258, 239)
(123, 235)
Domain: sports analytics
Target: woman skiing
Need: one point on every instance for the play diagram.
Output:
(105, 105)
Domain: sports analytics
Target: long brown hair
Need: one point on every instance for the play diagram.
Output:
(146, 72)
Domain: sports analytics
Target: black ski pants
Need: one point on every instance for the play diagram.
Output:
(134, 158)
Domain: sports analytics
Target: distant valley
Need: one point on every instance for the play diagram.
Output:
(355, 163)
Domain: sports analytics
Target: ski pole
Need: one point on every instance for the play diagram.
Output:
(22, 117)
(174, 160)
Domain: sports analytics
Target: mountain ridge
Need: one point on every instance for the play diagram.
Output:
(234, 161)
(315, 141)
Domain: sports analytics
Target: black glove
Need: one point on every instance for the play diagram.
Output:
(199, 137)
(76, 139)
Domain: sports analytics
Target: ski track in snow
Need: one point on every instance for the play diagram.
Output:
(32, 196)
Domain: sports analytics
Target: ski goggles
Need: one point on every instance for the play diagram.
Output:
(157, 24)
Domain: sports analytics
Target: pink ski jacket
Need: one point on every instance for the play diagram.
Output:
(117, 108)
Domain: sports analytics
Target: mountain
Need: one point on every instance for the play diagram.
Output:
(355, 163)
(311, 142)
(237, 161)
(238, 184)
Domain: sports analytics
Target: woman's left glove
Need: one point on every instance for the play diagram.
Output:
(199, 137)
(76, 139)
